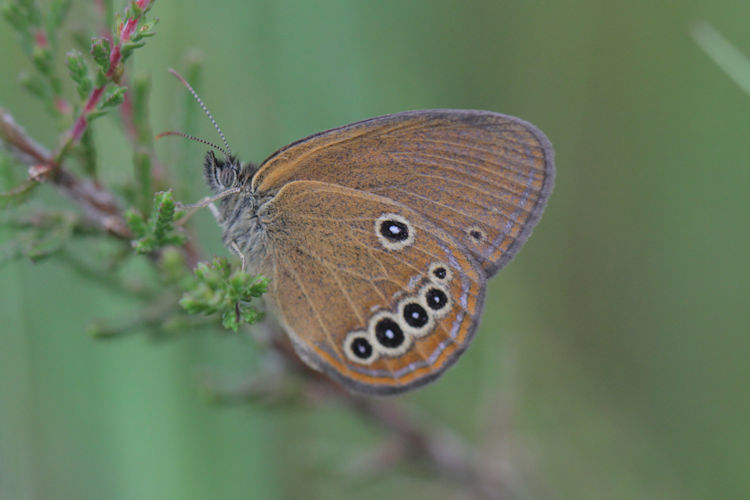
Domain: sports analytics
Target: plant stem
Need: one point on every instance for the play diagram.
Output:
(115, 59)
(97, 202)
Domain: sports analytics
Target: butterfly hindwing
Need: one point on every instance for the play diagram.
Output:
(370, 291)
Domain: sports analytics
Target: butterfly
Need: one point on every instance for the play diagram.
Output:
(379, 236)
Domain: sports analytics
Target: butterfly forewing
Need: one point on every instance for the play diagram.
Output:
(413, 298)
(482, 177)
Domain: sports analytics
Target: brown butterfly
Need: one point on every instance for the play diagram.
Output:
(379, 236)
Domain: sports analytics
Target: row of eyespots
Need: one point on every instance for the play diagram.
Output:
(392, 334)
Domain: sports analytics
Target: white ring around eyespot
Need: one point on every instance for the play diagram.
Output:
(435, 279)
(351, 337)
(388, 351)
(428, 327)
(394, 245)
(448, 306)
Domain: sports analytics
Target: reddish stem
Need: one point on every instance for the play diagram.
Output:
(115, 58)
(93, 99)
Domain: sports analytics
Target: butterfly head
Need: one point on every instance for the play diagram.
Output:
(225, 173)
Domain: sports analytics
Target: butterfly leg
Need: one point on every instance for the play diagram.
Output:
(215, 212)
(239, 253)
(208, 201)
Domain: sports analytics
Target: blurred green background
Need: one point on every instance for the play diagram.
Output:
(612, 361)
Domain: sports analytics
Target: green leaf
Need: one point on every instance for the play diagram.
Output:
(101, 78)
(160, 230)
(79, 73)
(215, 289)
(97, 113)
(128, 48)
(145, 30)
(136, 222)
(113, 97)
(162, 217)
(100, 50)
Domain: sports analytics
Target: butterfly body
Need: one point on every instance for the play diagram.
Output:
(379, 236)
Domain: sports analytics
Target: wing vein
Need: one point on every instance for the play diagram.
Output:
(312, 304)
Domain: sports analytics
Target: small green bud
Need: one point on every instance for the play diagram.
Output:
(79, 73)
(100, 50)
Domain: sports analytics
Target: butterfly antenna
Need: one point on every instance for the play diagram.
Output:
(205, 109)
(193, 138)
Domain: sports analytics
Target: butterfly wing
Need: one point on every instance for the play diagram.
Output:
(483, 177)
(381, 235)
(380, 315)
